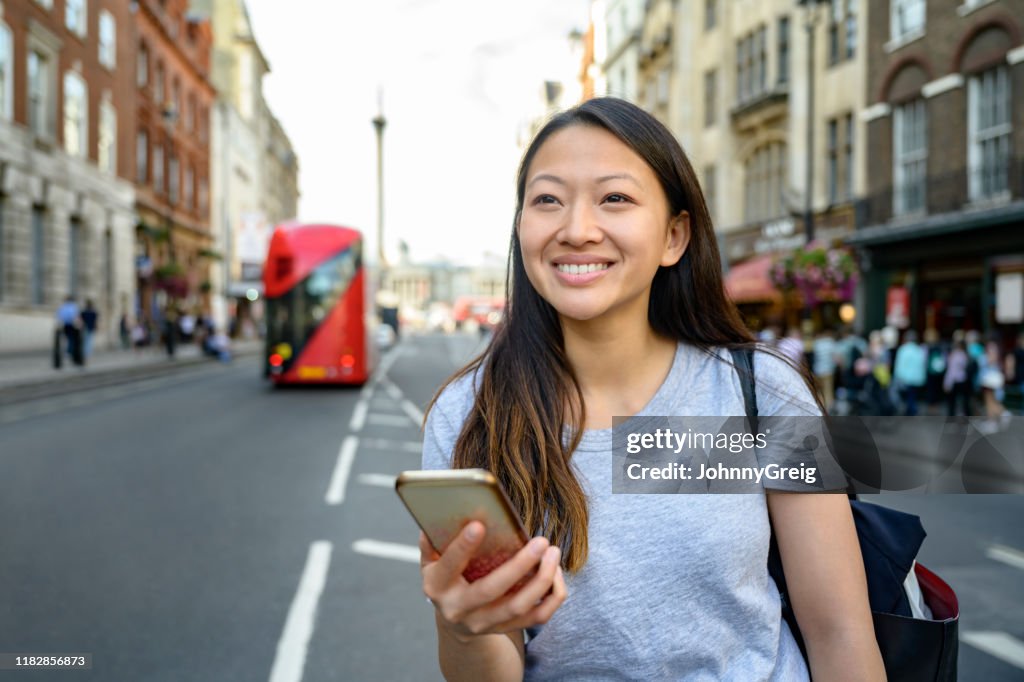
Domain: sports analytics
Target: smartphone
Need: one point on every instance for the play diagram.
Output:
(442, 502)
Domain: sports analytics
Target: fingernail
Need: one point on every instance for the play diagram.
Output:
(472, 531)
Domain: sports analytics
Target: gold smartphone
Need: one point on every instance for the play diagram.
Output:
(442, 502)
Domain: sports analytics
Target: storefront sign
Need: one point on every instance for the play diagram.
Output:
(1010, 298)
(897, 307)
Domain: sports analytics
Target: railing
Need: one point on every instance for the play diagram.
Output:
(948, 192)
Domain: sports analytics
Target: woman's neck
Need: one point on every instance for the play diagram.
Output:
(619, 367)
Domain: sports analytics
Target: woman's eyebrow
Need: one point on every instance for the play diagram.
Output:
(546, 176)
(603, 178)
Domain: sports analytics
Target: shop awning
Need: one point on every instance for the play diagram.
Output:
(750, 281)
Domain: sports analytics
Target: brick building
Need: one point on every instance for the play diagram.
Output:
(66, 142)
(942, 217)
(174, 97)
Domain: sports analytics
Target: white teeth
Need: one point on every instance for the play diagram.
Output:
(581, 269)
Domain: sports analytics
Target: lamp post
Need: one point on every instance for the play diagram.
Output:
(169, 114)
(810, 24)
(379, 122)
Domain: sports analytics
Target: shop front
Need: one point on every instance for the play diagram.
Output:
(962, 271)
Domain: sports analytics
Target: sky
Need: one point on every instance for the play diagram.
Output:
(457, 80)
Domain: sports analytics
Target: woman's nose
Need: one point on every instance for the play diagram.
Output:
(581, 226)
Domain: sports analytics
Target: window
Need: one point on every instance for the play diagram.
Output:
(141, 157)
(833, 161)
(709, 188)
(709, 98)
(38, 93)
(158, 86)
(709, 13)
(173, 180)
(142, 67)
(751, 65)
(76, 16)
(989, 130)
(175, 100)
(761, 58)
(108, 265)
(765, 180)
(187, 190)
(910, 156)
(158, 168)
(6, 73)
(907, 18)
(848, 155)
(75, 115)
(108, 39)
(48, 4)
(663, 79)
(204, 197)
(106, 152)
(74, 255)
(842, 31)
(190, 113)
(783, 42)
(38, 255)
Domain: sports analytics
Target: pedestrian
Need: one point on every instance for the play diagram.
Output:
(617, 307)
(124, 331)
(1016, 362)
(956, 381)
(792, 345)
(170, 330)
(89, 319)
(937, 353)
(992, 382)
(824, 365)
(910, 371)
(70, 322)
(187, 326)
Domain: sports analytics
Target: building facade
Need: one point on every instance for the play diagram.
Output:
(941, 225)
(66, 140)
(174, 97)
(254, 168)
(623, 22)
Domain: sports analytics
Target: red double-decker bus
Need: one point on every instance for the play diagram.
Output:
(316, 292)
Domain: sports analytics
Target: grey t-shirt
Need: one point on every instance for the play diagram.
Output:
(675, 587)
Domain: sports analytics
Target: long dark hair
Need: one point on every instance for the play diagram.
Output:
(526, 391)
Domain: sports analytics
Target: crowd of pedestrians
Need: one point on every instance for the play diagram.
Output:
(889, 373)
(76, 330)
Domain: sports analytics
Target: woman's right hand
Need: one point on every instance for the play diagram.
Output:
(484, 606)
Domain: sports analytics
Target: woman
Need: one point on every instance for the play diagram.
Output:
(616, 307)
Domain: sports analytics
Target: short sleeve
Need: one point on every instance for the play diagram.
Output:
(444, 423)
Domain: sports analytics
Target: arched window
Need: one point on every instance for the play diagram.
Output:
(765, 182)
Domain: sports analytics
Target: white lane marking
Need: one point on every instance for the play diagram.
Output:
(367, 390)
(346, 455)
(393, 391)
(298, 628)
(380, 480)
(1007, 555)
(390, 420)
(387, 550)
(358, 416)
(413, 412)
(1006, 648)
(384, 444)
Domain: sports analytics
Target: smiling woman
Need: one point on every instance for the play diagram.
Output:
(616, 307)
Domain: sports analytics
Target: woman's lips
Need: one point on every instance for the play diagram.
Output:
(581, 273)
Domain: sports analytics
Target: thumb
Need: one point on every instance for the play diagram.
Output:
(459, 551)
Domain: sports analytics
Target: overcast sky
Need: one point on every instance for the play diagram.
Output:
(459, 78)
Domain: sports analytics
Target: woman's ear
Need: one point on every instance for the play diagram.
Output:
(678, 239)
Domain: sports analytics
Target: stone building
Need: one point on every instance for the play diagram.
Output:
(66, 141)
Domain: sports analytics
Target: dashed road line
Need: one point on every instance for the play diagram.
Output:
(379, 480)
(1001, 645)
(390, 420)
(292, 648)
(384, 444)
(1007, 555)
(358, 416)
(412, 411)
(346, 455)
(387, 550)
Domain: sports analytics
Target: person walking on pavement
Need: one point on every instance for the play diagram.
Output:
(823, 352)
(617, 307)
(89, 319)
(69, 321)
(956, 382)
(170, 330)
(910, 371)
(937, 353)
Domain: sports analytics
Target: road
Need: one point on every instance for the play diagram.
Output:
(202, 526)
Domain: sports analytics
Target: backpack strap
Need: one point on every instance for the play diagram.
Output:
(743, 359)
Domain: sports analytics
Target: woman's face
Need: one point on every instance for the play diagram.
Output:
(595, 225)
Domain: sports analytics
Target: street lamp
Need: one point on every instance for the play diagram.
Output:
(379, 122)
(810, 24)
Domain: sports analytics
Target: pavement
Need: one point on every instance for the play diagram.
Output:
(29, 375)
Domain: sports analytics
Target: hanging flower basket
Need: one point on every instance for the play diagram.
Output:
(171, 278)
(817, 274)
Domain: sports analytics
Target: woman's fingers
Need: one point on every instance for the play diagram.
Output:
(499, 581)
(542, 612)
(427, 552)
(459, 551)
(523, 601)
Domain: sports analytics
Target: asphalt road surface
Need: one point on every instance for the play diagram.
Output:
(202, 526)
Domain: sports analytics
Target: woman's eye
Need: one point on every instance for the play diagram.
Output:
(545, 199)
(616, 198)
